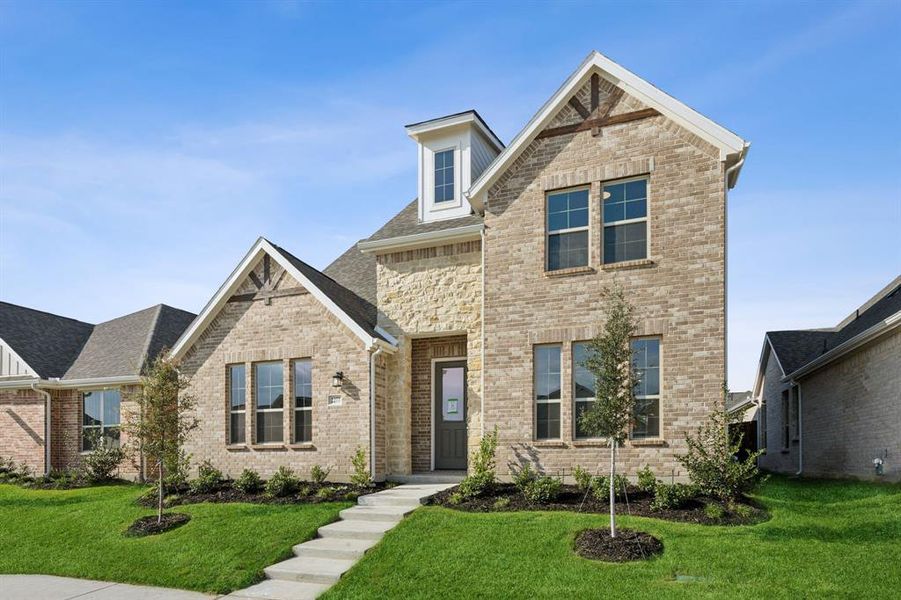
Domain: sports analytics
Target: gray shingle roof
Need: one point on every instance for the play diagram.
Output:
(406, 222)
(357, 272)
(47, 342)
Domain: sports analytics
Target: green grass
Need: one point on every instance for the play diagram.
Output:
(825, 539)
(78, 533)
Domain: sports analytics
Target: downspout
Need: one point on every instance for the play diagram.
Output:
(482, 349)
(372, 386)
(47, 426)
(800, 433)
(729, 172)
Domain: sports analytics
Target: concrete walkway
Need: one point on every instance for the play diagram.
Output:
(48, 587)
(319, 563)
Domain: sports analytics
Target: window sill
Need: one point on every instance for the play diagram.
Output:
(591, 444)
(648, 442)
(275, 446)
(549, 444)
(571, 271)
(236, 447)
(302, 446)
(629, 264)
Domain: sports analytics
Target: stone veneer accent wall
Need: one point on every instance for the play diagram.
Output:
(289, 328)
(678, 292)
(22, 423)
(423, 293)
(422, 401)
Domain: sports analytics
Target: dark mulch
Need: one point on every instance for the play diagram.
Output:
(150, 526)
(505, 497)
(309, 493)
(627, 545)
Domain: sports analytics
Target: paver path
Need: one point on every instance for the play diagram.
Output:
(319, 563)
(49, 587)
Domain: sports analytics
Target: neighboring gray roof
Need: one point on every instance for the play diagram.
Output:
(359, 310)
(68, 349)
(406, 222)
(736, 399)
(797, 348)
(357, 272)
(47, 342)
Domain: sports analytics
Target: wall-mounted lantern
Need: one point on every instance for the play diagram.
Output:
(338, 379)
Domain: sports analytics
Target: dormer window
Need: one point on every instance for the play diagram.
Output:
(444, 176)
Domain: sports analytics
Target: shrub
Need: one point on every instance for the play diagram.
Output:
(318, 475)
(584, 479)
(361, 476)
(324, 493)
(103, 459)
(249, 482)
(176, 471)
(455, 499)
(283, 483)
(741, 511)
(601, 487)
(714, 511)
(209, 478)
(673, 496)
(523, 477)
(482, 477)
(543, 489)
(501, 503)
(646, 480)
(712, 460)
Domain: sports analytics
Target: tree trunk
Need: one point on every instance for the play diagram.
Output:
(612, 488)
(159, 512)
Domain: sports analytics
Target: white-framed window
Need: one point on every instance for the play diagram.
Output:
(101, 416)
(547, 392)
(237, 404)
(270, 397)
(625, 215)
(444, 176)
(303, 400)
(567, 229)
(583, 388)
(646, 357)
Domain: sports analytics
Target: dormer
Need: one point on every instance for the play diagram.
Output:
(452, 153)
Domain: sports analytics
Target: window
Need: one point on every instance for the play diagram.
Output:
(625, 221)
(237, 403)
(567, 229)
(270, 402)
(795, 410)
(583, 386)
(763, 421)
(646, 355)
(786, 426)
(100, 416)
(444, 176)
(303, 401)
(547, 392)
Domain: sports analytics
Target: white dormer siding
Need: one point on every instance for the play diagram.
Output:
(452, 152)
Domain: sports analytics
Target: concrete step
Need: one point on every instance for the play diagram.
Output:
(451, 477)
(356, 530)
(309, 570)
(392, 514)
(333, 547)
(277, 589)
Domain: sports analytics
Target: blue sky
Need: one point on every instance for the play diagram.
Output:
(144, 147)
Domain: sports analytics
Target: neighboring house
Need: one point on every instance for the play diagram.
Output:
(830, 399)
(77, 373)
(470, 309)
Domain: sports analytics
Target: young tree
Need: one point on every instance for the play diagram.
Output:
(163, 419)
(609, 360)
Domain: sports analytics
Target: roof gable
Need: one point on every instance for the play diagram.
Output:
(732, 148)
(47, 343)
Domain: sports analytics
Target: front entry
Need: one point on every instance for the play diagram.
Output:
(449, 417)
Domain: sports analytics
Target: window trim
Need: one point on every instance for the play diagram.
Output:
(647, 217)
(455, 201)
(536, 401)
(256, 404)
(294, 408)
(658, 396)
(547, 232)
(103, 425)
(229, 438)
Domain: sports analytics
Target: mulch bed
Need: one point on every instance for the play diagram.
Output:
(628, 545)
(505, 497)
(150, 526)
(310, 493)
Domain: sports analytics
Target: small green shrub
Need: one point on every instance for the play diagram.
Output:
(175, 475)
(646, 479)
(283, 483)
(501, 503)
(584, 479)
(601, 487)
(742, 511)
(455, 499)
(673, 496)
(523, 477)
(324, 493)
(103, 459)
(482, 477)
(361, 476)
(352, 496)
(714, 511)
(304, 490)
(543, 489)
(318, 475)
(249, 482)
(208, 480)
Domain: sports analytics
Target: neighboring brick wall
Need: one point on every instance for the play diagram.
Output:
(777, 458)
(23, 427)
(851, 415)
(290, 327)
(679, 296)
(424, 350)
(426, 292)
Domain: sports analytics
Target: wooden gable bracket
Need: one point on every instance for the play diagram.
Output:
(602, 116)
(267, 289)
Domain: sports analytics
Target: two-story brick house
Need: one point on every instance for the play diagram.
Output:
(468, 310)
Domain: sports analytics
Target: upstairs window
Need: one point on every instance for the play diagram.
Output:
(646, 356)
(547, 392)
(270, 402)
(567, 229)
(237, 404)
(444, 176)
(303, 401)
(625, 221)
(100, 418)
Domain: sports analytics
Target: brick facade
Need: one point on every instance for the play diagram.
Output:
(22, 423)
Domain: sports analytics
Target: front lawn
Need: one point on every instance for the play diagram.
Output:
(825, 539)
(78, 533)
